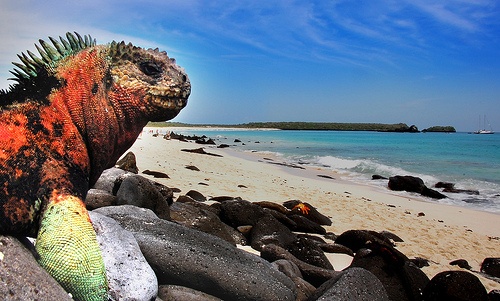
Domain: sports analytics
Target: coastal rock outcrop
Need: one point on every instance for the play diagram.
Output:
(413, 184)
(450, 187)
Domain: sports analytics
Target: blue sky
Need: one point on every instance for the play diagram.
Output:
(421, 62)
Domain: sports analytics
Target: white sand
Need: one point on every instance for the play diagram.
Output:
(444, 234)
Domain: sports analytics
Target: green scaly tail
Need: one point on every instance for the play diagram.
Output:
(69, 250)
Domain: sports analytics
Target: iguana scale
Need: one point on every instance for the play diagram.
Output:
(74, 110)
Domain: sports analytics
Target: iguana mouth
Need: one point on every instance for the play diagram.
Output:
(172, 96)
(168, 102)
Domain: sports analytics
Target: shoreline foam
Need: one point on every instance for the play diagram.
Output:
(444, 234)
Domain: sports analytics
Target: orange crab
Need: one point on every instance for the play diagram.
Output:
(303, 208)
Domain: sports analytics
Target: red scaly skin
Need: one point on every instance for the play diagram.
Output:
(71, 115)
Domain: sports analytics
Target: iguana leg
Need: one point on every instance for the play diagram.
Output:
(69, 250)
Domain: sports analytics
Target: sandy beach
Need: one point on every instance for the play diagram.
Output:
(444, 233)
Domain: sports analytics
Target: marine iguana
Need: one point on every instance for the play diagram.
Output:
(73, 111)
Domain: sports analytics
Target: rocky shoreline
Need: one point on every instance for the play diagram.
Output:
(161, 244)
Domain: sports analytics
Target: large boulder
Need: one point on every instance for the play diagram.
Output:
(413, 184)
(491, 266)
(190, 258)
(269, 230)
(312, 274)
(240, 213)
(129, 275)
(22, 278)
(199, 216)
(138, 191)
(402, 280)
(455, 285)
(352, 284)
(110, 179)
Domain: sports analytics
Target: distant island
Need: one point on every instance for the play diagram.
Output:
(314, 126)
(442, 129)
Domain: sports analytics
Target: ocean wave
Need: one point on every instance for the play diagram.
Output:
(361, 171)
(367, 167)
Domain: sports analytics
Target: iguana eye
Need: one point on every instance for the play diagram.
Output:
(151, 69)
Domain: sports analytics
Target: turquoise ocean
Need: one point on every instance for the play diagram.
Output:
(470, 161)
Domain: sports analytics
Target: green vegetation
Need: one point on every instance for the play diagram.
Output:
(317, 126)
(444, 129)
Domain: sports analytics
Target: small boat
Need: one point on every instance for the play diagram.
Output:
(484, 130)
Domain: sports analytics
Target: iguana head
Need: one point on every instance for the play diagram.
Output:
(145, 81)
(151, 76)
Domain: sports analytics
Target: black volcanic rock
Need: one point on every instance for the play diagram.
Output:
(413, 184)
(190, 258)
(455, 285)
(491, 266)
(352, 284)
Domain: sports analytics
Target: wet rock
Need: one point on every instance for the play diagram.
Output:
(455, 285)
(97, 198)
(450, 187)
(312, 274)
(205, 140)
(352, 284)
(491, 266)
(139, 191)
(128, 163)
(129, 275)
(22, 278)
(413, 184)
(378, 177)
(181, 293)
(194, 259)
